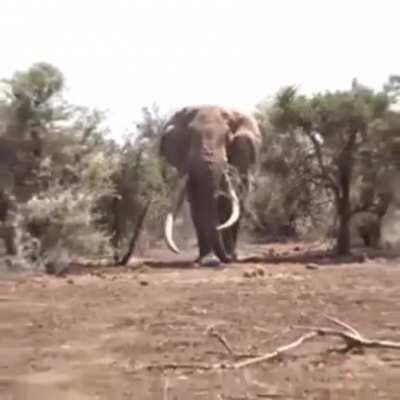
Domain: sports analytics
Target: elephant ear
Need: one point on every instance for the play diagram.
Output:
(175, 139)
(244, 140)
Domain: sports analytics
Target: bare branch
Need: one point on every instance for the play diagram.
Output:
(350, 335)
(212, 332)
(277, 352)
(343, 325)
(172, 365)
(318, 152)
(222, 339)
(359, 341)
(138, 229)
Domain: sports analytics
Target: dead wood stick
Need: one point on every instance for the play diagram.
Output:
(165, 388)
(135, 236)
(343, 325)
(222, 339)
(352, 338)
(356, 340)
(214, 333)
(173, 365)
(277, 352)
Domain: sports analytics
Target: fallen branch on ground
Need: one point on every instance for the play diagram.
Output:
(275, 353)
(350, 335)
(211, 331)
(353, 338)
(172, 365)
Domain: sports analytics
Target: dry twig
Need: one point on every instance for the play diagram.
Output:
(343, 325)
(214, 333)
(277, 352)
(172, 365)
(222, 339)
(350, 335)
(165, 388)
(354, 338)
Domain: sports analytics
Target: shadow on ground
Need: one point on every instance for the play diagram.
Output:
(271, 254)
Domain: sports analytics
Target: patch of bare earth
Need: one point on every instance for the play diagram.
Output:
(174, 333)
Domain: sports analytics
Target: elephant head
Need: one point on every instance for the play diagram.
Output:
(201, 143)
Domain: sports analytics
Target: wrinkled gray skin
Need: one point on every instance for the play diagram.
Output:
(369, 227)
(201, 142)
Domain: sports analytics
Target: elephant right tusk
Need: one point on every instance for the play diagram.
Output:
(169, 221)
(234, 217)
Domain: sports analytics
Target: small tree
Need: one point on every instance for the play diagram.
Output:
(139, 180)
(285, 203)
(61, 175)
(339, 127)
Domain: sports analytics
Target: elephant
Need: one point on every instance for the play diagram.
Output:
(205, 144)
(368, 220)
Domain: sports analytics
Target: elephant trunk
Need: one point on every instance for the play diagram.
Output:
(169, 221)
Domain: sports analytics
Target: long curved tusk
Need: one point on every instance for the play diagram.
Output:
(235, 214)
(168, 233)
(168, 128)
(169, 221)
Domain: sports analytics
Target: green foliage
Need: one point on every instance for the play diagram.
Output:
(64, 216)
(285, 203)
(344, 130)
(58, 186)
(39, 83)
(141, 177)
(70, 190)
(329, 113)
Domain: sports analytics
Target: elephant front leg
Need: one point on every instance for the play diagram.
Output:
(204, 212)
(203, 243)
(228, 237)
(204, 246)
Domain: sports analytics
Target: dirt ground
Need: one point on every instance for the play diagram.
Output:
(144, 333)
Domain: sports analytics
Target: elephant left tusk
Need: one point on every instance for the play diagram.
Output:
(168, 128)
(234, 217)
(168, 233)
(169, 221)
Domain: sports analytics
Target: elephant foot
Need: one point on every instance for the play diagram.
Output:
(211, 260)
(230, 257)
(235, 257)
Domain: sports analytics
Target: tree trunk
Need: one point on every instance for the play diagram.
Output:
(343, 236)
(116, 228)
(343, 206)
(135, 236)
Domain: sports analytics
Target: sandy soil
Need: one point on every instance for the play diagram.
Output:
(124, 333)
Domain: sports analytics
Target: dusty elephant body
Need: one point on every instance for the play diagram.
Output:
(204, 143)
(368, 226)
